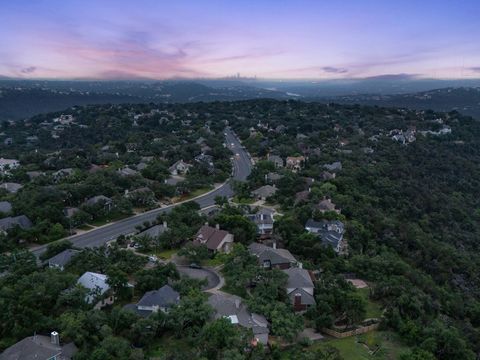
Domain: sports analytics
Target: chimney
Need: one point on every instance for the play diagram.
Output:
(298, 300)
(274, 245)
(309, 189)
(164, 224)
(206, 223)
(54, 338)
(237, 303)
(217, 226)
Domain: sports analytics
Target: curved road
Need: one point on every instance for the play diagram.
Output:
(242, 165)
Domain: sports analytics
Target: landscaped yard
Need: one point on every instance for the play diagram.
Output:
(354, 348)
(165, 347)
(374, 309)
(166, 254)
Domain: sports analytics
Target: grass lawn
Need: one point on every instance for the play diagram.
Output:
(243, 201)
(374, 309)
(194, 194)
(166, 254)
(350, 348)
(217, 260)
(109, 219)
(84, 227)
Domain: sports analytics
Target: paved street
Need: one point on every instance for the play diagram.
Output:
(99, 236)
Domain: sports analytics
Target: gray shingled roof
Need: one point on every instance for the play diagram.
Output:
(63, 258)
(298, 278)
(5, 207)
(154, 231)
(163, 297)
(37, 347)
(307, 299)
(21, 220)
(275, 256)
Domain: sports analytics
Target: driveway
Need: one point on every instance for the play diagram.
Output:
(212, 278)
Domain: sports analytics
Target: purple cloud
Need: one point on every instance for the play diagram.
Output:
(334, 70)
(28, 70)
(475, 69)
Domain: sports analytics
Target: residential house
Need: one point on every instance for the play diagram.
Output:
(126, 171)
(264, 192)
(325, 176)
(273, 178)
(11, 187)
(179, 168)
(34, 174)
(214, 239)
(70, 211)
(335, 166)
(206, 160)
(95, 283)
(8, 141)
(62, 259)
(326, 205)
(5, 207)
(10, 222)
(295, 163)
(40, 347)
(100, 199)
(264, 222)
(271, 258)
(277, 160)
(153, 301)
(330, 232)
(302, 196)
(232, 308)
(154, 231)
(8, 164)
(61, 174)
(300, 288)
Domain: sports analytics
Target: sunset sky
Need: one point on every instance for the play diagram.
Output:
(116, 39)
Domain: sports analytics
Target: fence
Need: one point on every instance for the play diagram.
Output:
(357, 331)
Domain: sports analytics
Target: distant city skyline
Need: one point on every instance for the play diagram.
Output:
(146, 39)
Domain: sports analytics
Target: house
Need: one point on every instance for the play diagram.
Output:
(326, 205)
(62, 259)
(5, 207)
(8, 164)
(264, 222)
(154, 231)
(264, 192)
(273, 178)
(335, 166)
(302, 196)
(100, 199)
(330, 232)
(40, 347)
(96, 283)
(214, 239)
(70, 211)
(206, 160)
(8, 141)
(11, 187)
(325, 176)
(61, 174)
(295, 163)
(153, 301)
(34, 174)
(232, 308)
(126, 171)
(277, 160)
(300, 288)
(271, 258)
(10, 222)
(179, 168)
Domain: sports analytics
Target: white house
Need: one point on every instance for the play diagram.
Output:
(8, 164)
(96, 283)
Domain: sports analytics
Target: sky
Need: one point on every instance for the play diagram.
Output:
(277, 39)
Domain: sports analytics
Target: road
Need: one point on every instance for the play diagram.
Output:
(241, 169)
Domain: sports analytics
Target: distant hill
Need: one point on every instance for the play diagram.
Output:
(20, 99)
(465, 100)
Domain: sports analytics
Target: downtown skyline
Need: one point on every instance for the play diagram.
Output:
(210, 39)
